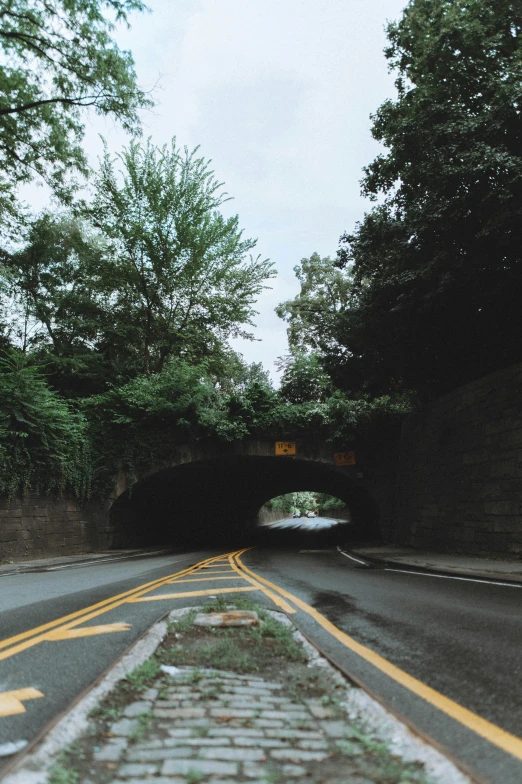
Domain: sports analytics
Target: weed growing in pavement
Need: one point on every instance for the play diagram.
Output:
(63, 775)
(194, 776)
(196, 676)
(200, 732)
(284, 643)
(145, 720)
(65, 769)
(226, 654)
(106, 713)
(183, 624)
(140, 678)
(212, 692)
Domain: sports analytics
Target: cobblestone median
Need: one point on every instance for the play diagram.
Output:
(282, 722)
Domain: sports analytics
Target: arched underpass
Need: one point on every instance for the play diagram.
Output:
(217, 500)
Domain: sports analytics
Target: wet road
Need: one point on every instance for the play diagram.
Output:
(461, 638)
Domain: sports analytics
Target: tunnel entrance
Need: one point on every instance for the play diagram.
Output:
(217, 501)
(308, 519)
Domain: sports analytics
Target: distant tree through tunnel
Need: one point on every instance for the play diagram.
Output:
(217, 500)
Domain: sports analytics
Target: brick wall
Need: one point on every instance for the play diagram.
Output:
(39, 526)
(460, 470)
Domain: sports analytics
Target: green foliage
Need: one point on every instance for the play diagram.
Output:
(60, 303)
(43, 442)
(325, 292)
(58, 59)
(304, 502)
(437, 264)
(304, 379)
(181, 281)
(142, 675)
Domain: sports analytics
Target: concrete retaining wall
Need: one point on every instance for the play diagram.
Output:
(39, 526)
(460, 470)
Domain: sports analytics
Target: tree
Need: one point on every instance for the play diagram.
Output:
(325, 293)
(59, 303)
(180, 275)
(438, 264)
(304, 379)
(59, 59)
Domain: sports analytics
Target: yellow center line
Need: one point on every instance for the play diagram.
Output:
(276, 599)
(209, 592)
(175, 580)
(486, 729)
(38, 634)
(206, 579)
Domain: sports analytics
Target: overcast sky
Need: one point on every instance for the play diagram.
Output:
(278, 94)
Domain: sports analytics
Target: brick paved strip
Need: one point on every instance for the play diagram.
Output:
(156, 755)
(296, 714)
(265, 743)
(136, 769)
(293, 734)
(208, 767)
(179, 713)
(297, 755)
(234, 754)
(224, 732)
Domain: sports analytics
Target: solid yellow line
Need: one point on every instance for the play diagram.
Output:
(206, 579)
(491, 732)
(274, 597)
(175, 580)
(37, 634)
(209, 592)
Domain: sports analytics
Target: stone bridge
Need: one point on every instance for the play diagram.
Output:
(215, 490)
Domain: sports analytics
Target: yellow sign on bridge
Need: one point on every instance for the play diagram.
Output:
(285, 448)
(344, 458)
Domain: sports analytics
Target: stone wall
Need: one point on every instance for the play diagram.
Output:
(460, 470)
(41, 526)
(267, 515)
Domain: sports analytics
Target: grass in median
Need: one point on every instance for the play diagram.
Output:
(269, 651)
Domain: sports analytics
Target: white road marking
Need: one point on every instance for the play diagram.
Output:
(492, 581)
(352, 558)
(454, 577)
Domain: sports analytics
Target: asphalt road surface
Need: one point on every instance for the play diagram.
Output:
(458, 639)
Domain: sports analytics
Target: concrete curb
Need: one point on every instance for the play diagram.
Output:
(33, 765)
(55, 564)
(372, 562)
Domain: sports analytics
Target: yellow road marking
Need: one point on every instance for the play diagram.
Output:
(11, 701)
(88, 631)
(490, 732)
(208, 592)
(274, 597)
(39, 634)
(206, 579)
(213, 574)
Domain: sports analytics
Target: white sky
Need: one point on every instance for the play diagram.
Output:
(278, 94)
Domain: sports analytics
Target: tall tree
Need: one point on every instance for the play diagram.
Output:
(181, 274)
(438, 263)
(57, 303)
(58, 59)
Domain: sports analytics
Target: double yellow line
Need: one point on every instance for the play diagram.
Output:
(58, 629)
(50, 631)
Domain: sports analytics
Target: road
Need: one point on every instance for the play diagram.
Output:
(442, 653)
(304, 524)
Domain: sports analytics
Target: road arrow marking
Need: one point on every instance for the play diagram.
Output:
(87, 631)
(11, 701)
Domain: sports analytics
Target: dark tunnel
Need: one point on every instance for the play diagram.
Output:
(217, 501)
